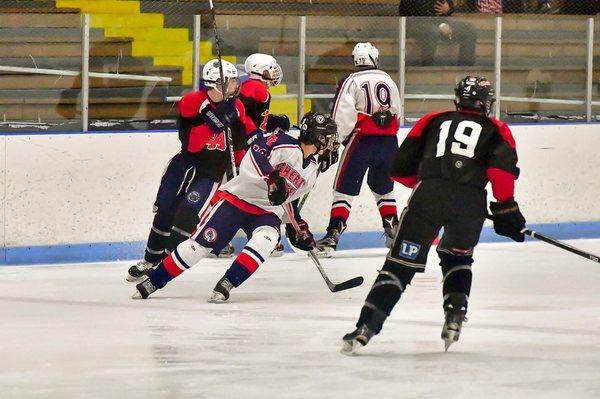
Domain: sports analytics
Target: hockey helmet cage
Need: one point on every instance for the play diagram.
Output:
(365, 55)
(211, 74)
(475, 93)
(318, 129)
(265, 67)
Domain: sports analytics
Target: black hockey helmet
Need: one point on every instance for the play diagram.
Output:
(318, 129)
(475, 93)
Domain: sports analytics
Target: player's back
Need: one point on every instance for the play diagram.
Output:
(372, 90)
(461, 146)
(362, 94)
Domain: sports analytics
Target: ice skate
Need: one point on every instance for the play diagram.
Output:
(356, 339)
(138, 271)
(278, 251)
(327, 245)
(390, 227)
(220, 293)
(226, 252)
(144, 289)
(452, 325)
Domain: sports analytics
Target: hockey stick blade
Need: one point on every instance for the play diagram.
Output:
(346, 285)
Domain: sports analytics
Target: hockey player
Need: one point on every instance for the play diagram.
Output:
(263, 72)
(276, 171)
(448, 158)
(194, 174)
(366, 110)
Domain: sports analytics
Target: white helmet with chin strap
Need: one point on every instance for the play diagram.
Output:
(365, 55)
(265, 67)
(211, 74)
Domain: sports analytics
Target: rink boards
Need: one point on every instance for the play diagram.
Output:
(88, 197)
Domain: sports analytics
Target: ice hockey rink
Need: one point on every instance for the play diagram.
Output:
(72, 331)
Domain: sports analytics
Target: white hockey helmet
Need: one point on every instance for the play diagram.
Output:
(365, 55)
(211, 75)
(265, 67)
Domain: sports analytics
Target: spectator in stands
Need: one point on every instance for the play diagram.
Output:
(486, 6)
(528, 6)
(436, 28)
(588, 7)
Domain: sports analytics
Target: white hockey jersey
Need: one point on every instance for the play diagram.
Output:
(359, 96)
(248, 190)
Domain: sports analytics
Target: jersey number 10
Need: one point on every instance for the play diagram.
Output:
(382, 95)
(463, 144)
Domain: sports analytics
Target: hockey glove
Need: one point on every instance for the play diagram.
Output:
(255, 135)
(277, 188)
(278, 123)
(222, 116)
(508, 220)
(329, 158)
(303, 241)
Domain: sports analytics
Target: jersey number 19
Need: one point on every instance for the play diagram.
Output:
(464, 138)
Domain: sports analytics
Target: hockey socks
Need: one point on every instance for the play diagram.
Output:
(340, 210)
(263, 242)
(246, 263)
(187, 254)
(384, 294)
(158, 237)
(386, 204)
(457, 276)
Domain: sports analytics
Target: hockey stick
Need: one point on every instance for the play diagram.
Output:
(560, 244)
(556, 243)
(345, 285)
(229, 136)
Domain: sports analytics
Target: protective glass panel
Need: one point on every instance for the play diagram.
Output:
(151, 54)
(329, 45)
(543, 59)
(596, 73)
(439, 53)
(32, 99)
(275, 35)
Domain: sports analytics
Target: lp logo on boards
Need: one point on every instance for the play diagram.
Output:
(409, 250)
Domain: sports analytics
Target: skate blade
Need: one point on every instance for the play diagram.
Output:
(349, 348)
(324, 252)
(450, 339)
(216, 297)
(137, 295)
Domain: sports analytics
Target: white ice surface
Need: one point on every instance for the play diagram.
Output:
(533, 332)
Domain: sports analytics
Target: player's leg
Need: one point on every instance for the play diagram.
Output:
(382, 186)
(264, 233)
(172, 185)
(351, 171)
(456, 257)
(407, 256)
(215, 230)
(187, 216)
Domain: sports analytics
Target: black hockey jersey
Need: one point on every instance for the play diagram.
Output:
(462, 146)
